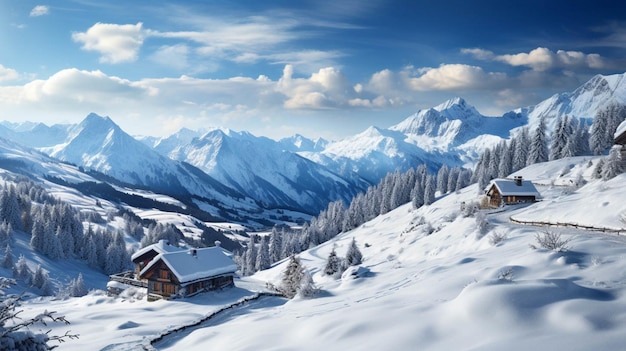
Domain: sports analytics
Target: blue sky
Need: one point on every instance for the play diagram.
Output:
(276, 68)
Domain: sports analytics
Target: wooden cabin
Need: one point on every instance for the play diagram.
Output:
(511, 191)
(170, 272)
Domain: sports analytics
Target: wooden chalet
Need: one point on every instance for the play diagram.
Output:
(511, 191)
(168, 272)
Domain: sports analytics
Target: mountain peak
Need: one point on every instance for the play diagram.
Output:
(452, 103)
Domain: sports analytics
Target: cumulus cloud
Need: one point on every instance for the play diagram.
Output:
(116, 43)
(327, 88)
(8, 74)
(39, 10)
(455, 77)
(542, 59)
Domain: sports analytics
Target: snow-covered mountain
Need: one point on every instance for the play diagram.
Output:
(262, 169)
(453, 133)
(584, 102)
(99, 144)
(299, 143)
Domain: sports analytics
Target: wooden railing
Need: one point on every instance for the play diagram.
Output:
(128, 279)
(618, 231)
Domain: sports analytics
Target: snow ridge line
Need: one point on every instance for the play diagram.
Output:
(617, 231)
(147, 343)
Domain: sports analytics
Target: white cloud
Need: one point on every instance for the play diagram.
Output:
(116, 43)
(39, 10)
(455, 77)
(172, 56)
(542, 59)
(327, 88)
(478, 53)
(8, 74)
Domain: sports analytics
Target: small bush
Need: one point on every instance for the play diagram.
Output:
(496, 237)
(552, 241)
(506, 274)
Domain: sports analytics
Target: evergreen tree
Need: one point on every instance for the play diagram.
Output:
(613, 165)
(7, 260)
(39, 277)
(597, 171)
(505, 166)
(417, 194)
(307, 287)
(292, 277)
(333, 263)
(77, 287)
(354, 257)
(263, 257)
(538, 151)
(22, 270)
(521, 150)
(429, 190)
(442, 179)
(275, 246)
(251, 254)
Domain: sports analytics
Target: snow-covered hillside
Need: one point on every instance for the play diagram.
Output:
(430, 280)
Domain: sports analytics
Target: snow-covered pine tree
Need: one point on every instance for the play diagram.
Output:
(505, 166)
(38, 278)
(521, 149)
(76, 287)
(538, 151)
(307, 287)
(429, 190)
(292, 276)
(263, 257)
(613, 165)
(354, 257)
(251, 254)
(333, 263)
(7, 260)
(442, 179)
(275, 245)
(417, 194)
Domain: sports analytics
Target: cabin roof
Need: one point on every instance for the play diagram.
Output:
(161, 247)
(187, 267)
(620, 134)
(509, 187)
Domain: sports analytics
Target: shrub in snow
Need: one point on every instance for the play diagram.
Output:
(76, 287)
(469, 209)
(296, 280)
(551, 241)
(506, 274)
(482, 225)
(14, 333)
(354, 256)
(496, 237)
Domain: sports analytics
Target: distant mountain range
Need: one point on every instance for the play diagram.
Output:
(238, 169)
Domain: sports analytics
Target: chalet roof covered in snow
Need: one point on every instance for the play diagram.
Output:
(161, 247)
(512, 187)
(191, 265)
(620, 133)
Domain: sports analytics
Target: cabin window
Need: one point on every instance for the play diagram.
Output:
(164, 274)
(158, 287)
(169, 289)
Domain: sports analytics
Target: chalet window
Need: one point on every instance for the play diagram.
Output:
(169, 289)
(158, 287)
(164, 274)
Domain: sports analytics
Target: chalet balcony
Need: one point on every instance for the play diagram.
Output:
(128, 278)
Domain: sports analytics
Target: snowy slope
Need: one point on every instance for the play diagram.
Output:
(450, 290)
